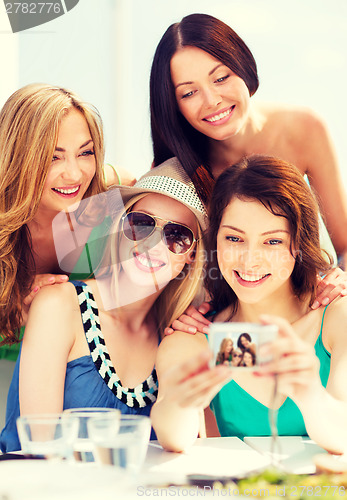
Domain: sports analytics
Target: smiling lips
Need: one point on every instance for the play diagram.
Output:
(67, 192)
(148, 264)
(250, 280)
(220, 118)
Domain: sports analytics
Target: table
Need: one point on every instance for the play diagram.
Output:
(293, 454)
(227, 456)
(43, 480)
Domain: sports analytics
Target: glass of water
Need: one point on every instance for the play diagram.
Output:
(83, 446)
(123, 444)
(47, 435)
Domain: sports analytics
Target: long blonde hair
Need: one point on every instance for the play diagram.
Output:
(178, 293)
(29, 123)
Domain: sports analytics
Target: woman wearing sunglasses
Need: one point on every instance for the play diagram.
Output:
(150, 273)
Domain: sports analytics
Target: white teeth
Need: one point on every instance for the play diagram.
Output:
(219, 117)
(67, 191)
(251, 277)
(149, 262)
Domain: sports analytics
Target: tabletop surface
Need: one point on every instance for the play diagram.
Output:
(44, 480)
(293, 453)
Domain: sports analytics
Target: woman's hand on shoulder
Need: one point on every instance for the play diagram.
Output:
(192, 321)
(40, 281)
(333, 285)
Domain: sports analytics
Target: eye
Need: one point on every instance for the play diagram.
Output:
(222, 78)
(274, 242)
(233, 239)
(55, 158)
(89, 152)
(188, 94)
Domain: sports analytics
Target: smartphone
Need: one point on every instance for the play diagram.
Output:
(237, 344)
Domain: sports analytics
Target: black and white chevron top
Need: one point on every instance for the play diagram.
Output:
(140, 396)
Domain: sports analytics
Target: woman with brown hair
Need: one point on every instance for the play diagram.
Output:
(202, 81)
(263, 240)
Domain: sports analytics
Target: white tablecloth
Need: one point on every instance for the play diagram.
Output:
(43, 480)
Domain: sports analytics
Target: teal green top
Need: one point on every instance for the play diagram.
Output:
(239, 414)
(84, 269)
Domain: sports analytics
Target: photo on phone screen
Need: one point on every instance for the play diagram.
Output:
(237, 344)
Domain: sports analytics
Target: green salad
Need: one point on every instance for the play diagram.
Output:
(273, 483)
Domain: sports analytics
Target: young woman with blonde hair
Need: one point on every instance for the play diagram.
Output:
(226, 352)
(102, 350)
(52, 155)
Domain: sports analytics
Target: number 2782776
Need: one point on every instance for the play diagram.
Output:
(33, 8)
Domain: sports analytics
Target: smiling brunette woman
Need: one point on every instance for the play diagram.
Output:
(264, 242)
(202, 79)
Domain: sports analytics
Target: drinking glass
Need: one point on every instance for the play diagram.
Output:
(122, 444)
(47, 435)
(83, 446)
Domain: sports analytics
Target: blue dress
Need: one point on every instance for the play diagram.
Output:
(90, 381)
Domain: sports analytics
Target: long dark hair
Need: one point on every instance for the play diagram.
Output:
(281, 188)
(239, 343)
(172, 135)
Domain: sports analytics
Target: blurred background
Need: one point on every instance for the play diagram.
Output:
(103, 49)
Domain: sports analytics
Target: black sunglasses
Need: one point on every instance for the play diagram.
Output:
(138, 226)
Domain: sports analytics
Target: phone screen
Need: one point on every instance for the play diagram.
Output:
(237, 344)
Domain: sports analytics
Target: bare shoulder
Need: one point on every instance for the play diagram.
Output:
(308, 122)
(59, 297)
(182, 339)
(335, 321)
(289, 115)
(296, 134)
(53, 320)
(180, 346)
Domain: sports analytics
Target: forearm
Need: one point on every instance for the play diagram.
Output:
(186, 386)
(176, 427)
(325, 419)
